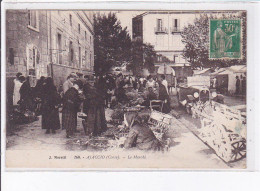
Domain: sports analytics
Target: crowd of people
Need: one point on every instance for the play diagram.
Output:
(79, 94)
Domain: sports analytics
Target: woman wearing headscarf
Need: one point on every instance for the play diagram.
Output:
(38, 89)
(94, 107)
(26, 100)
(71, 106)
(120, 91)
(50, 102)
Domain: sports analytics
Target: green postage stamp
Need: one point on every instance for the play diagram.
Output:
(225, 39)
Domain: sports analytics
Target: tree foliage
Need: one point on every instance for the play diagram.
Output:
(143, 57)
(113, 47)
(196, 39)
(112, 43)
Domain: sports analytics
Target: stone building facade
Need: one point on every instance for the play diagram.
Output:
(71, 43)
(48, 43)
(163, 29)
(26, 45)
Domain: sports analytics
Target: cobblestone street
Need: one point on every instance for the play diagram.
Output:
(186, 148)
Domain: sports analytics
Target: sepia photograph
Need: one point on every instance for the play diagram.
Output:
(126, 89)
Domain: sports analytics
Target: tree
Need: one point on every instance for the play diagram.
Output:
(112, 43)
(143, 57)
(196, 39)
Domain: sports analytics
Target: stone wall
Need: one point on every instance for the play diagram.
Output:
(21, 38)
(18, 37)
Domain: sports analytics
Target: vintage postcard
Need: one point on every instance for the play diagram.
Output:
(119, 89)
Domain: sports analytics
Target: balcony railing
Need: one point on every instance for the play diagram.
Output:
(161, 30)
(175, 30)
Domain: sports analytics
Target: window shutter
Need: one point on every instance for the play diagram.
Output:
(33, 19)
(37, 57)
(29, 17)
(162, 25)
(11, 56)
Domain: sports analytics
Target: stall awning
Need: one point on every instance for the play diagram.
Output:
(165, 69)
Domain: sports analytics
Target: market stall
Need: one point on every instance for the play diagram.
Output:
(119, 129)
(170, 76)
(228, 77)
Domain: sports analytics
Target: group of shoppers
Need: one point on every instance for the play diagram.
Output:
(76, 95)
(79, 95)
(156, 88)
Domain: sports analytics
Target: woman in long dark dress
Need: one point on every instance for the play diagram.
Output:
(38, 93)
(26, 99)
(71, 106)
(50, 102)
(38, 89)
(164, 96)
(94, 107)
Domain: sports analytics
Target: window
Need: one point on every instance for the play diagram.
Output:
(33, 20)
(159, 25)
(71, 20)
(85, 35)
(33, 60)
(90, 39)
(86, 60)
(80, 57)
(79, 28)
(90, 63)
(59, 47)
(176, 25)
(11, 56)
(35, 57)
(71, 53)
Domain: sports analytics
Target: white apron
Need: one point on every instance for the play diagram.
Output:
(16, 95)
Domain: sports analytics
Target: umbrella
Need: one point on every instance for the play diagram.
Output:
(165, 69)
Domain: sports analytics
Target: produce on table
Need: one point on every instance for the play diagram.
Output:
(224, 130)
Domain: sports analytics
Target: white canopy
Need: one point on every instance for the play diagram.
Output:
(165, 69)
(232, 72)
(201, 72)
